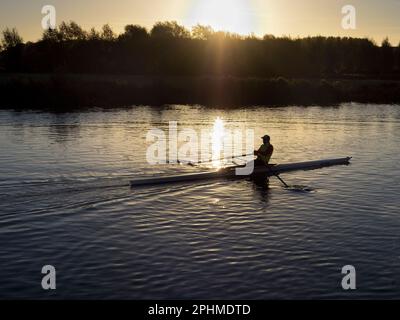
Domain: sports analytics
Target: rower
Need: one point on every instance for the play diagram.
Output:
(264, 153)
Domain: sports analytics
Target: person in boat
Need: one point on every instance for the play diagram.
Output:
(264, 153)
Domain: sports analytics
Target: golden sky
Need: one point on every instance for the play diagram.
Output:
(375, 19)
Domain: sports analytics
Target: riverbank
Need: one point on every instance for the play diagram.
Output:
(72, 91)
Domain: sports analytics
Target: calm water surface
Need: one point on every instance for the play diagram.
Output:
(65, 201)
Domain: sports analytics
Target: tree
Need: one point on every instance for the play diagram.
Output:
(202, 52)
(93, 34)
(10, 38)
(398, 57)
(52, 35)
(202, 32)
(107, 33)
(269, 37)
(386, 43)
(71, 31)
(387, 56)
(134, 32)
(169, 29)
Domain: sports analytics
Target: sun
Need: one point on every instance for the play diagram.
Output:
(226, 15)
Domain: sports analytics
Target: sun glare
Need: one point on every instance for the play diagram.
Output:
(226, 15)
(217, 140)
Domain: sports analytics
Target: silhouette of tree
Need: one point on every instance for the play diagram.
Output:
(169, 29)
(10, 38)
(268, 37)
(93, 34)
(202, 32)
(250, 70)
(107, 33)
(397, 53)
(387, 56)
(170, 49)
(133, 32)
(71, 31)
(52, 35)
(386, 43)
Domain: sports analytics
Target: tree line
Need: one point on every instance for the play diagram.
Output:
(169, 49)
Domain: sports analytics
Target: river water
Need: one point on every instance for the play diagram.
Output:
(65, 201)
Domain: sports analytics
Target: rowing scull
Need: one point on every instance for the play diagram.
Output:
(231, 172)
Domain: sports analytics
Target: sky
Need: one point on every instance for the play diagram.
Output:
(375, 19)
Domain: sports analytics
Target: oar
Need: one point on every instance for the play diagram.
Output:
(238, 156)
(222, 158)
(284, 183)
(277, 175)
(245, 155)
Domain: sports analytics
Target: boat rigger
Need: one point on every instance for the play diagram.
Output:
(230, 172)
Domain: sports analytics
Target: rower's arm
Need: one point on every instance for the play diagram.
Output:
(258, 152)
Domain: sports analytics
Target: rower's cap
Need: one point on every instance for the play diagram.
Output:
(266, 137)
